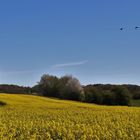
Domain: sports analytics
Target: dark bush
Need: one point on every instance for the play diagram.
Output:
(2, 103)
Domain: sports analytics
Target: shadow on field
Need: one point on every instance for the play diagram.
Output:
(2, 103)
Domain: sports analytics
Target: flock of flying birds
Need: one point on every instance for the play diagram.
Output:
(136, 27)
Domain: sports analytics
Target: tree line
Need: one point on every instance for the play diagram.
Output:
(69, 88)
(5, 88)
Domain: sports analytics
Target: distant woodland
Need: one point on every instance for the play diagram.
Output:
(69, 88)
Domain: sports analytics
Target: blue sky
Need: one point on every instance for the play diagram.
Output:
(78, 37)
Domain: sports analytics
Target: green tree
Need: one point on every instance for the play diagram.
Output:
(108, 98)
(122, 95)
(93, 95)
(49, 85)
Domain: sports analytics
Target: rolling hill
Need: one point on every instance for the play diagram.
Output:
(39, 118)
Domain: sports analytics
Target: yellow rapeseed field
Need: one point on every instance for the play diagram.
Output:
(27, 117)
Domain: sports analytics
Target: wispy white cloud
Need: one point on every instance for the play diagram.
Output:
(70, 64)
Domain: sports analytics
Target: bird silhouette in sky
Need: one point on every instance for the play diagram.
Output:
(121, 29)
(136, 27)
